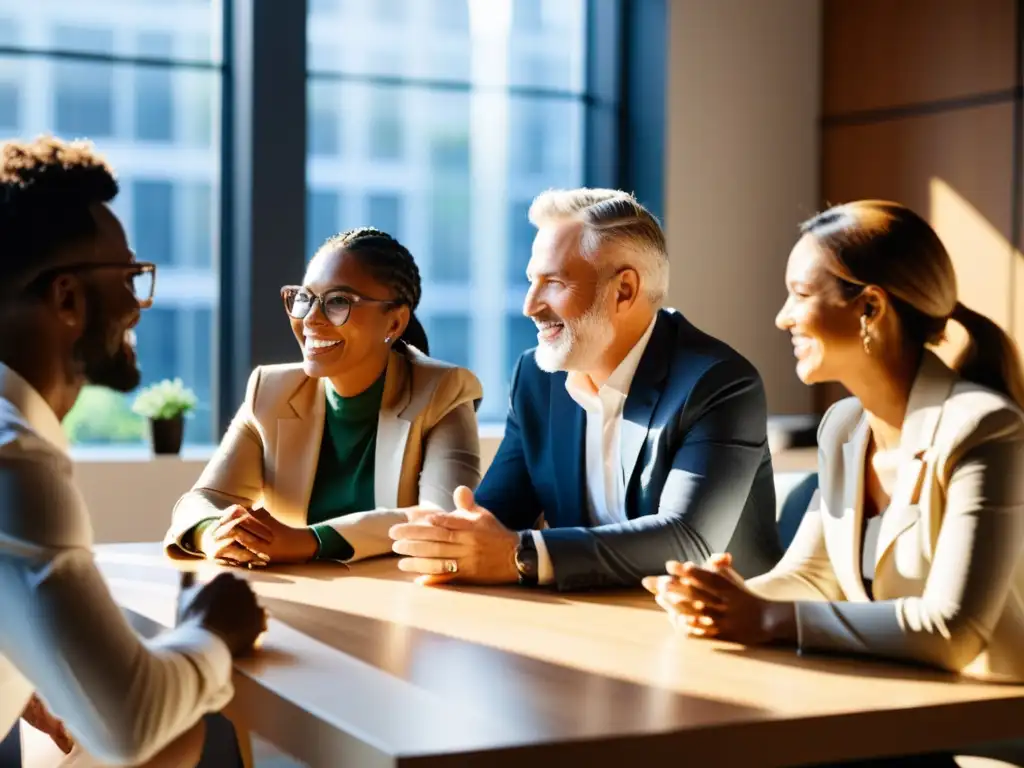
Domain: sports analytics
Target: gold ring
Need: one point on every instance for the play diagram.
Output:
(451, 566)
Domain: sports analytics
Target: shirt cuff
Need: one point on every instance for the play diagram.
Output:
(211, 656)
(545, 570)
(191, 538)
(331, 545)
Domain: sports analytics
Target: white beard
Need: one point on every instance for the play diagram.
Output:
(579, 346)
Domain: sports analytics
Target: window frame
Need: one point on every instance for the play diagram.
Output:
(264, 135)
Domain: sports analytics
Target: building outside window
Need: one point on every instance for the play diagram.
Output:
(464, 125)
(119, 80)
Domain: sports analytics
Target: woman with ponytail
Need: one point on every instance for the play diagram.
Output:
(912, 549)
(324, 455)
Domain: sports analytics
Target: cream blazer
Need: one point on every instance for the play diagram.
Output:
(428, 444)
(949, 571)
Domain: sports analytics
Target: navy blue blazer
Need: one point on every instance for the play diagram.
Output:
(694, 433)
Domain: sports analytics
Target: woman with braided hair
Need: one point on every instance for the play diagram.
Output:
(324, 455)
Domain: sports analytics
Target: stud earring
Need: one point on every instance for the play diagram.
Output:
(865, 334)
(387, 339)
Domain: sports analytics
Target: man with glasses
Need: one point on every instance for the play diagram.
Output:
(72, 292)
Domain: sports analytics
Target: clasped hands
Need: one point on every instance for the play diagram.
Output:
(713, 601)
(39, 717)
(467, 545)
(253, 538)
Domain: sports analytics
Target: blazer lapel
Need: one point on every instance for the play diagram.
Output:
(567, 430)
(849, 527)
(300, 430)
(642, 400)
(393, 426)
(928, 394)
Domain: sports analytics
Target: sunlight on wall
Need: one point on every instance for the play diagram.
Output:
(982, 257)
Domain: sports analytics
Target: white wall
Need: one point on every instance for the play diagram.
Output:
(742, 169)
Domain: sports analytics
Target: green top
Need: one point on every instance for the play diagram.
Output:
(345, 471)
(344, 478)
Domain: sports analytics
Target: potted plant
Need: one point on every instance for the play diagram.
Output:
(165, 404)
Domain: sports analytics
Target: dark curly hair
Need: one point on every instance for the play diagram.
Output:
(390, 263)
(46, 189)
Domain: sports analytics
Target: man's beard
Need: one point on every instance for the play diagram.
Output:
(100, 353)
(580, 345)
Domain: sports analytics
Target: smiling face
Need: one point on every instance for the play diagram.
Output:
(105, 349)
(363, 341)
(566, 301)
(824, 325)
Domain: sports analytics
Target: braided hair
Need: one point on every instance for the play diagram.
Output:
(46, 189)
(390, 263)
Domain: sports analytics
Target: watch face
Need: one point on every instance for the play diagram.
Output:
(526, 563)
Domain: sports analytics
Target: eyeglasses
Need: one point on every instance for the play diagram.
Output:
(336, 305)
(141, 273)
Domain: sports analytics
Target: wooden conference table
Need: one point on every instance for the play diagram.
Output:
(361, 667)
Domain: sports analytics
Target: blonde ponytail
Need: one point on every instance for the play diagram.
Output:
(991, 359)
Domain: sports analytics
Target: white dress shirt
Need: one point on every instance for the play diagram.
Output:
(606, 475)
(62, 635)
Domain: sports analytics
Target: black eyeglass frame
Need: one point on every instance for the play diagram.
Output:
(352, 299)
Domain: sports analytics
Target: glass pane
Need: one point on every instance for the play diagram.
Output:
(457, 197)
(526, 43)
(324, 126)
(322, 219)
(384, 211)
(448, 337)
(167, 204)
(118, 27)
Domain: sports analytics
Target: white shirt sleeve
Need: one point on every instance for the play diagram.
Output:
(121, 698)
(545, 570)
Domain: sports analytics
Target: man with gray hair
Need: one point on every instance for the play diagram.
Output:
(632, 437)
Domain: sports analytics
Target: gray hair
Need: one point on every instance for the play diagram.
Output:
(611, 216)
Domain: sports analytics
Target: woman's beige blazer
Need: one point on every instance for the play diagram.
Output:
(428, 444)
(949, 574)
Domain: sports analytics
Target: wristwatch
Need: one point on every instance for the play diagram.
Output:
(526, 559)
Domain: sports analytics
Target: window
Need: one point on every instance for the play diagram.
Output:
(521, 233)
(83, 91)
(196, 228)
(434, 128)
(10, 75)
(154, 107)
(156, 124)
(323, 132)
(9, 106)
(528, 15)
(152, 230)
(324, 124)
(451, 15)
(451, 130)
(83, 99)
(322, 220)
(384, 211)
(390, 11)
(449, 153)
(450, 231)
(158, 343)
(449, 338)
(385, 125)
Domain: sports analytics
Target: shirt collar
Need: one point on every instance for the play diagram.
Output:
(37, 412)
(579, 385)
